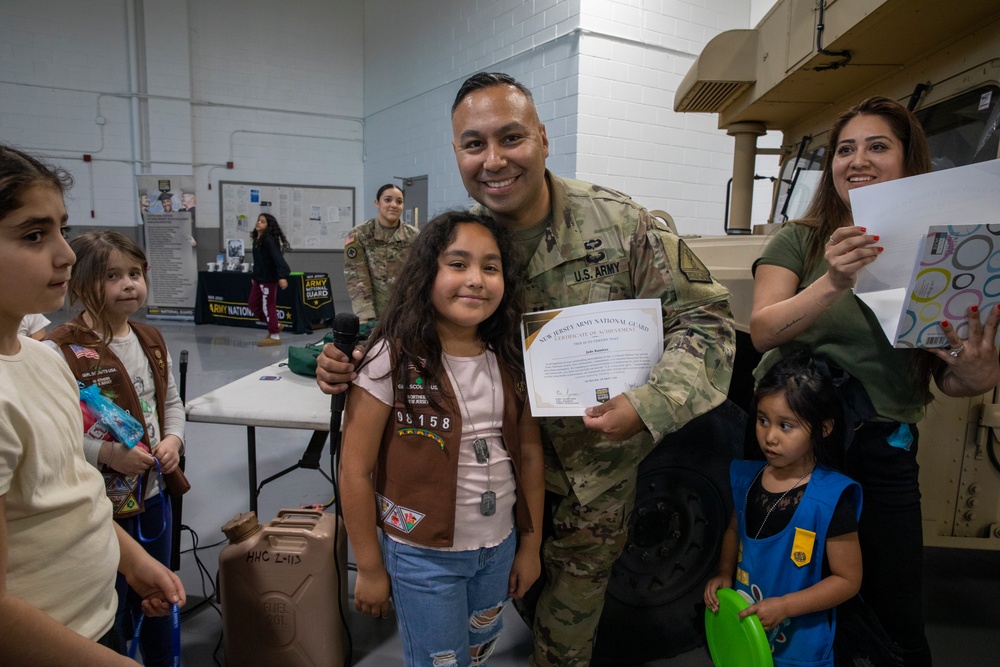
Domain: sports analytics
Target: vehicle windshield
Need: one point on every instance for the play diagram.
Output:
(961, 130)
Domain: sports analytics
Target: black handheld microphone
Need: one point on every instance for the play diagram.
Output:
(183, 373)
(345, 335)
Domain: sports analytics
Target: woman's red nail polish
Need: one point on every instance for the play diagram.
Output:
(880, 248)
(975, 309)
(944, 324)
(875, 238)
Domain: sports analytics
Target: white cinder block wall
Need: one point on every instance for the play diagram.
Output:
(633, 56)
(417, 54)
(279, 93)
(603, 73)
(63, 66)
(354, 93)
(182, 88)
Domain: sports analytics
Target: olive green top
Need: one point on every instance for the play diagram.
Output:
(847, 335)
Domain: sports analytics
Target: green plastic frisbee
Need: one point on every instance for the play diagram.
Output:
(733, 642)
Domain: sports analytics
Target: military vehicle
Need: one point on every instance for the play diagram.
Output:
(804, 63)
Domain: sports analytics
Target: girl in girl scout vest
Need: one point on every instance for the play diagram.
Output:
(441, 451)
(129, 362)
(792, 545)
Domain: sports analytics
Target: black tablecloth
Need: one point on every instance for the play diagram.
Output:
(222, 299)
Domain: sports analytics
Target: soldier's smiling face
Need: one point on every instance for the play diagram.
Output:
(390, 206)
(501, 146)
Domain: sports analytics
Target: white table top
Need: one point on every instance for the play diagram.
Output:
(272, 396)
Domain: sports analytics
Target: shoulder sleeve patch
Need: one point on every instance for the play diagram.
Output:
(692, 267)
(352, 252)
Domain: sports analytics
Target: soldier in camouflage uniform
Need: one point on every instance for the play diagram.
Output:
(580, 244)
(374, 254)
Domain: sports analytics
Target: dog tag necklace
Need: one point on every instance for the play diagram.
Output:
(481, 446)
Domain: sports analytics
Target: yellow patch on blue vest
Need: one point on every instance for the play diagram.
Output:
(803, 546)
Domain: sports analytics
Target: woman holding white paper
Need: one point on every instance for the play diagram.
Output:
(803, 299)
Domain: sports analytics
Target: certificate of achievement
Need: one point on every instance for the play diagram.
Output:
(584, 355)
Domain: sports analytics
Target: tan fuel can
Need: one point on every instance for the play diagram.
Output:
(282, 587)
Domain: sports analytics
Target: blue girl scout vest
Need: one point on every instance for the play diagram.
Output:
(791, 561)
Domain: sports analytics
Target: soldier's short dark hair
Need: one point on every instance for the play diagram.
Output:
(488, 80)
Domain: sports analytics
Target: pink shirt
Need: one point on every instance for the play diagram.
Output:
(472, 529)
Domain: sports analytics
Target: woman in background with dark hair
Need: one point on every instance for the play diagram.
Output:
(373, 256)
(803, 299)
(270, 271)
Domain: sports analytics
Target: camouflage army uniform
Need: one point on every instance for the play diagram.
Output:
(373, 257)
(602, 246)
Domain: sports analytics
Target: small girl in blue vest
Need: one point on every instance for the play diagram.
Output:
(441, 451)
(130, 363)
(792, 545)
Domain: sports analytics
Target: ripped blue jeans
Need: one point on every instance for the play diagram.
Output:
(448, 603)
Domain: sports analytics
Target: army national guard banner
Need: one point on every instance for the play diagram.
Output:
(167, 209)
(223, 295)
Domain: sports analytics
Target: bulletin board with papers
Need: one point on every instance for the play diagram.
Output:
(313, 217)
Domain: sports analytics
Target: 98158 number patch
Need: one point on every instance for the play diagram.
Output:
(421, 420)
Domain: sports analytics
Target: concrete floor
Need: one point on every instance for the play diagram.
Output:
(963, 587)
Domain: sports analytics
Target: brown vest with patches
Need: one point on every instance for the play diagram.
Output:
(78, 344)
(418, 461)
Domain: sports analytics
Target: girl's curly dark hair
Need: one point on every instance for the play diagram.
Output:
(273, 229)
(409, 323)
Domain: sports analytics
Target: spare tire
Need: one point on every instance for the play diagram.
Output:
(653, 606)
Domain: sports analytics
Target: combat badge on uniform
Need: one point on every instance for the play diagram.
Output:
(692, 267)
(352, 252)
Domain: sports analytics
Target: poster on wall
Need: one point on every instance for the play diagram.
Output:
(316, 218)
(167, 206)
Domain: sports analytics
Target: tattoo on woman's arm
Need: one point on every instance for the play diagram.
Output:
(791, 324)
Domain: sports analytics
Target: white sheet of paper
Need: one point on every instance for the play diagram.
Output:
(584, 355)
(901, 211)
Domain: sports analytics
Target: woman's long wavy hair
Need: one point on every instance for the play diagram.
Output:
(827, 211)
(86, 284)
(409, 322)
(273, 229)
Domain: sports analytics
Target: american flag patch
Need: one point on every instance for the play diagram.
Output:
(349, 239)
(84, 352)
